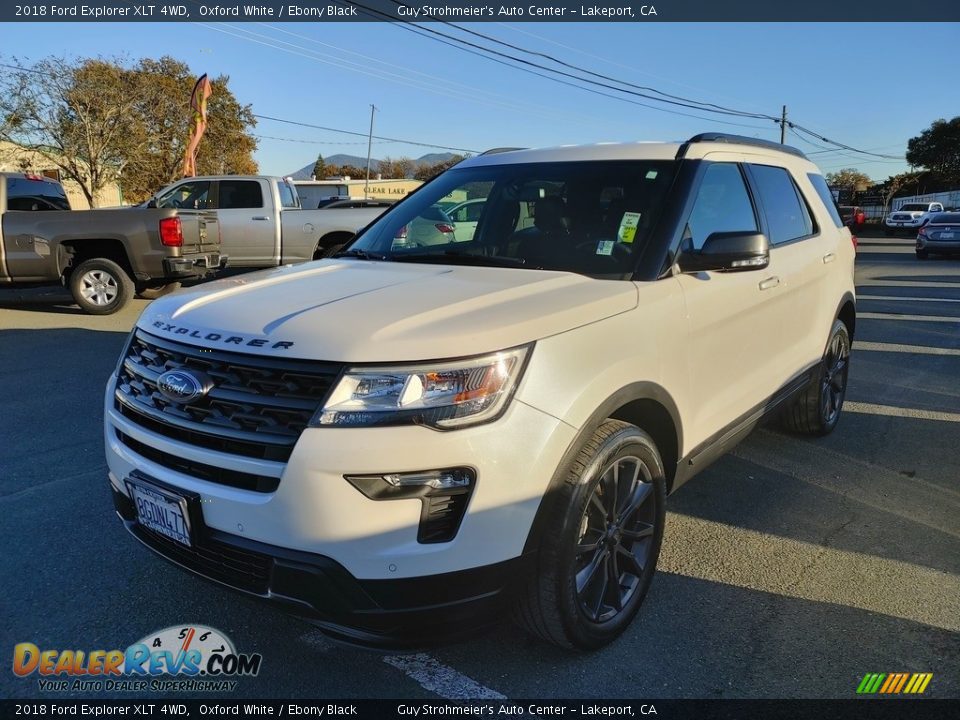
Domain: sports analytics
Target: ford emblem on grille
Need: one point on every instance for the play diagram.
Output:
(180, 386)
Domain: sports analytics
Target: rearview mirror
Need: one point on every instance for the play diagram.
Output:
(731, 251)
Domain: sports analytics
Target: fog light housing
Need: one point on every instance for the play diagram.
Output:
(444, 495)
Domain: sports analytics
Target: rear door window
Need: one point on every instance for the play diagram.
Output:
(238, 194)
(787, 215)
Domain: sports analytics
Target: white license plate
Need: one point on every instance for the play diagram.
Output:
(161, 512)
(946, 236)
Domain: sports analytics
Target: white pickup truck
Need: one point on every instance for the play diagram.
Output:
(260, 219)
(910, 217)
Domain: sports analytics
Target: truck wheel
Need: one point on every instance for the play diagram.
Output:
(597, 558)
(100, 286)
(155, 291)
(888, 232)
(817, 410)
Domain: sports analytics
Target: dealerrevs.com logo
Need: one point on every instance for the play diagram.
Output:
(186, 658)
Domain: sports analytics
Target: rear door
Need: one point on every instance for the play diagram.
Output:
(249, 223)
(799, 252)
(25, 250)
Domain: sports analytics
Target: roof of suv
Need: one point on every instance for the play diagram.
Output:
(696, 147)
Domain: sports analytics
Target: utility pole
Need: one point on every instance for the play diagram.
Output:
(366, 185)
(783, 126)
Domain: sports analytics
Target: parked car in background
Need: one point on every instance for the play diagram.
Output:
(466, 215)
(432, 226)
(940, 235)
(103, 256)
(853, 216)
(261, 221)
(911, 216)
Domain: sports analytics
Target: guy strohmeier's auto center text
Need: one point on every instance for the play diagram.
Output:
(318, 11)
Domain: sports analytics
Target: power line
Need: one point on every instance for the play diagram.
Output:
(363, 134)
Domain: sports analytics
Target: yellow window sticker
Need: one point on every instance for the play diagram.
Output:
(628, 227)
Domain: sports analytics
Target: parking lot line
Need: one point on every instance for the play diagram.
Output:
(909, 299)
(900, 348)
(911, 318)
(892, 411)
(441, 679)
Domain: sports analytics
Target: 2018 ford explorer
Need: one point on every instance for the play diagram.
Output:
(407, 442)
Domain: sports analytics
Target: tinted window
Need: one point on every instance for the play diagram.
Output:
(914, 207)
(235, 194)
(787, 215)
(288, 197)
(193, 195)
(35, 194)
(722, 205)
(820, 185)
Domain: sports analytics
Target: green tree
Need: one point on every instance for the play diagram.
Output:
(319, 168)
(73, 115)
(425, 172)
(101, 120)
(849, 178)
(938, 149)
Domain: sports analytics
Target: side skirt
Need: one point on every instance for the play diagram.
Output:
(720, 443)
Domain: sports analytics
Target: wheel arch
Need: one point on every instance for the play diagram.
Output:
(74, 252)
(331, 239)
(847, 313)
(645, 404)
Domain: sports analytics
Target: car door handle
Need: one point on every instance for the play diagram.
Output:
(769, 283)
(829, 258)
(259, 217)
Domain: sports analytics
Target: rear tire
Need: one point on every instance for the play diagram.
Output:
(155, 291)
(817, 410)
(100, 286)
(922, 254)
(598, 555)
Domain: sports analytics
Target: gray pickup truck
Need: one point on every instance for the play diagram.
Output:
(103, 256)
(262, 223)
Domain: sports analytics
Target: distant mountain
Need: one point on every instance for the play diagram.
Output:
(306, 171)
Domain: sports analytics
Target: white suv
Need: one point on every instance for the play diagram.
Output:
(404, 443)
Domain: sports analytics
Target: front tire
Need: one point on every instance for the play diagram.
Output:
(100, 286)
(599, 552)
(817, 410)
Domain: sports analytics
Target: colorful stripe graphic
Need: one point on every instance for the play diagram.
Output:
(894, 683)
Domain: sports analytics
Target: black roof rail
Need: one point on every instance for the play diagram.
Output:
(741, 140)
(494, 151)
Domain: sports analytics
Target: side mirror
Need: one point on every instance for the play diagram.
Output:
(732, 251)
(152, 203)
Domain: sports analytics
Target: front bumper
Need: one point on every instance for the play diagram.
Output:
(903, 224)
(405, 613)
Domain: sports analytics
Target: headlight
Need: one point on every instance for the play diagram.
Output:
(442, 395)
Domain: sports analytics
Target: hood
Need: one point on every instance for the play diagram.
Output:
(365, 311)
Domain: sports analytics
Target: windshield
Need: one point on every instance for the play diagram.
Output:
(592, 218)
(914, 207)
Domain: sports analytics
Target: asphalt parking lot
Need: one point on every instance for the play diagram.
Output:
(790, 568)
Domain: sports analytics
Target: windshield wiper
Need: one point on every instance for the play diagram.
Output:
(361, 255)
(462, 258)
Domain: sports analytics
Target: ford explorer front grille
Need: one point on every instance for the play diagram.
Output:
(255, 406)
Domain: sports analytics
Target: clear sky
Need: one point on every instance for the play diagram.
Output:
(871, 86)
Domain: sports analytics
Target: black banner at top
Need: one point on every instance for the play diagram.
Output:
(861, 11)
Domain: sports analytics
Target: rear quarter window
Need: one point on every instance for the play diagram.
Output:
(826, 197)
